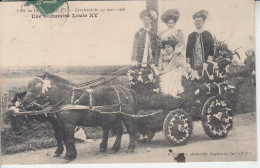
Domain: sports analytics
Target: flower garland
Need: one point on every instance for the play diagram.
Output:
(140, 75)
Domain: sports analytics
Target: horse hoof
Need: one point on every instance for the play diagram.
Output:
(113, 151)
(131, 150)
(56, 155)
(69, 158)
(102, 150)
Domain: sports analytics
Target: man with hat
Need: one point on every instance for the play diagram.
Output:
(145, 48)
(200, 45)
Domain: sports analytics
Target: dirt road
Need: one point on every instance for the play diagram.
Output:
(240, 145)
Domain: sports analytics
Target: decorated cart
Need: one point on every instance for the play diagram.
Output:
(207, 97)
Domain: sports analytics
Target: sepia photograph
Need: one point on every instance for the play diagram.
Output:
(137, 81)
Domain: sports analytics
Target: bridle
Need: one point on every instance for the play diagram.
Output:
(37, 96)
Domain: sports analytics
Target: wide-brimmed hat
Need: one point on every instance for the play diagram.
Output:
(150, 13)
(202, 13)
(172, 14)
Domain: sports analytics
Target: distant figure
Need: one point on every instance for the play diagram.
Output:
(145, 48)
(250, 65)
(250, 61)
(200, 45)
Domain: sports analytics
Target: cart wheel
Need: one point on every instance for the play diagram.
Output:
(177, 127)
(217, 117)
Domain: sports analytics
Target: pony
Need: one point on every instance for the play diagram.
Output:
(119, 102)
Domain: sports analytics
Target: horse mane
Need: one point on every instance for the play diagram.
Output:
(56, 79)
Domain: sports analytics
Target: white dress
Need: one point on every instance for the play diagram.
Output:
(172, 66)
(171, 76)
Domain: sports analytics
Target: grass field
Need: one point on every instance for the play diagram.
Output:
(41, 135)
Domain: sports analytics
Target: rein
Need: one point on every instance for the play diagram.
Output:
(86, 84)
(58, 107)
(71, 93)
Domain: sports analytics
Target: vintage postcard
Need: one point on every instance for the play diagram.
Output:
(149, 81)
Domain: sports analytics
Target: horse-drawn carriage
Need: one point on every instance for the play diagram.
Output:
(206, 97)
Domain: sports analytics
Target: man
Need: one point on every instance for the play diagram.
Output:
(145, 48)
(200, 45)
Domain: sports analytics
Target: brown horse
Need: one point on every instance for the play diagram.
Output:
(56, 91)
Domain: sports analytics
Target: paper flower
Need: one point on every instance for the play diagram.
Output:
(140, 79)
(205, 66)
(211, 77)
(150, 77)
(197, 92)
(130, 78)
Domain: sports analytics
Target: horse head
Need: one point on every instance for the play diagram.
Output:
(46, 88)
(37, 92)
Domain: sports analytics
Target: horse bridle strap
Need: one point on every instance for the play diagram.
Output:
(28, 92)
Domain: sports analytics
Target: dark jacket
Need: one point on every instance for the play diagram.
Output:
(139, 45)
(207, 44)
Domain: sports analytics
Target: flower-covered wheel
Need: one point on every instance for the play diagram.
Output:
(177, 127)
(217, 117)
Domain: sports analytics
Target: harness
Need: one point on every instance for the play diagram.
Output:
(105, 109)
(117, 108)
(74, 103)
(91, 100)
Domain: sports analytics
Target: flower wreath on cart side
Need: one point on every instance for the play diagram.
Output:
(143, 79)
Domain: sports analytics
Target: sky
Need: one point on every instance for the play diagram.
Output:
(108, 39)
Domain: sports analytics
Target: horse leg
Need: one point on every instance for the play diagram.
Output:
(71, 152)
(103, 144)
(118, 129)
(58, 137)
(132, 128)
